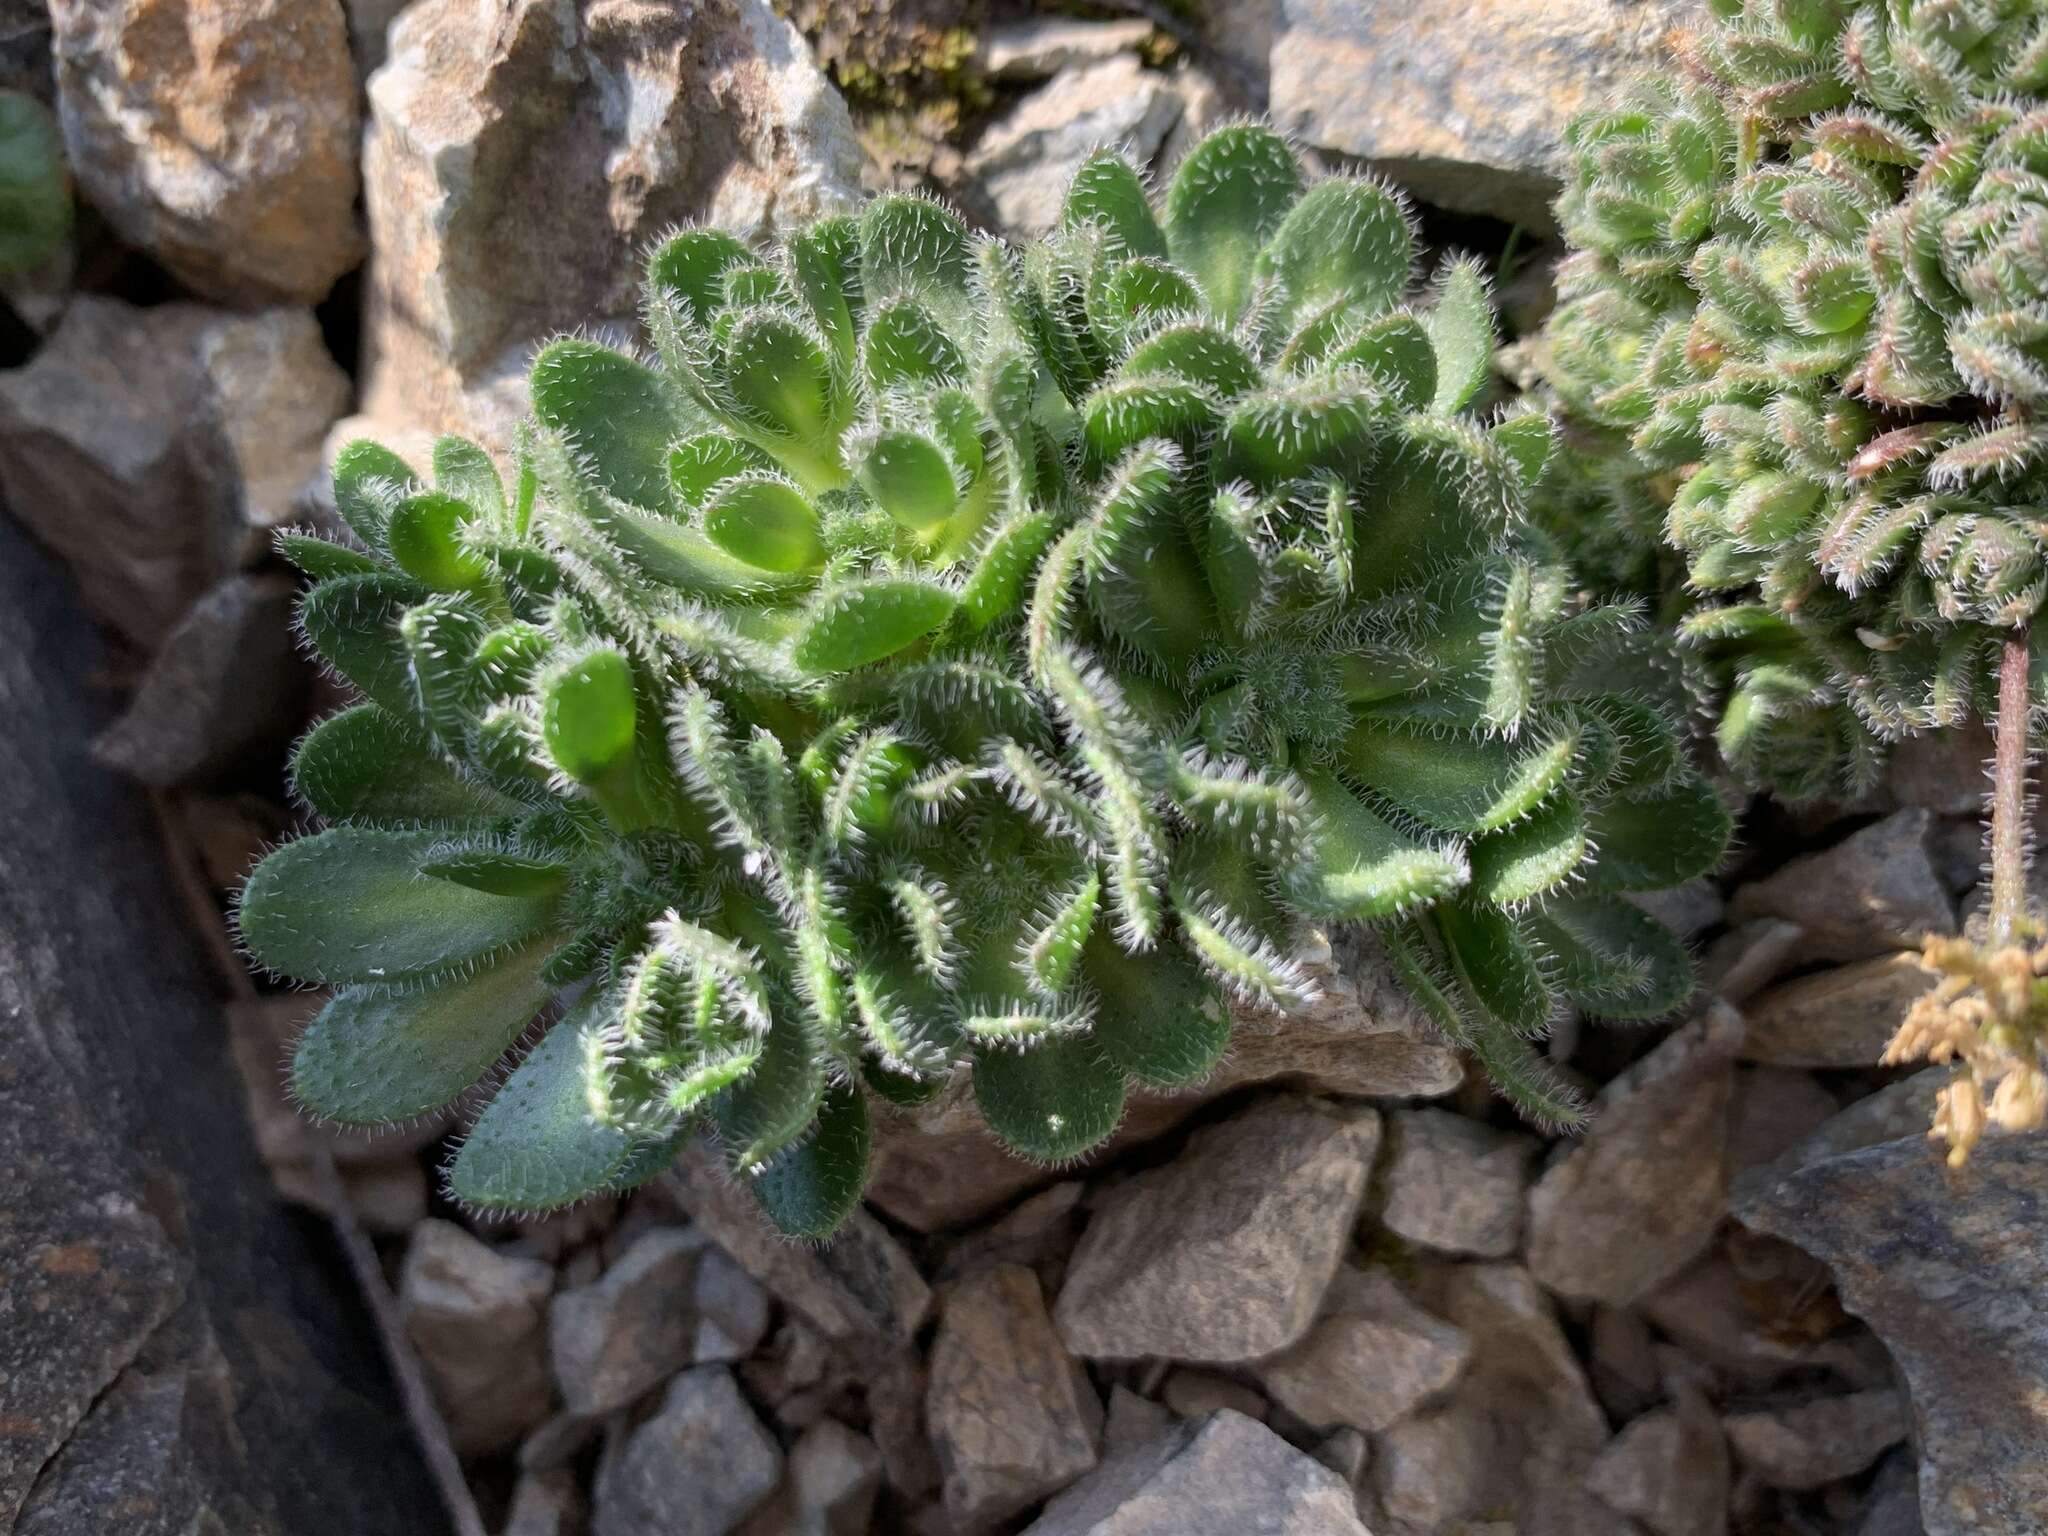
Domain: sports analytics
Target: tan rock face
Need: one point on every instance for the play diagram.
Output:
(520, 159)
(219, 136)
(1463, 100)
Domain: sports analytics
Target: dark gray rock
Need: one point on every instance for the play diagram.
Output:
(697, 1468)
(478, 1318)
(1892, 1507)
(731, 1310)
(1223, 1254)
(1810, 1444)
(1224, 1475)
(1875, 891)
(613, 1339)
(173, 1333)
(1131, 1420)
(1637, 1198)
(1949, 1269)
(1456, 1184)
(1012, 1414)
(227, 689)
(1942, 771)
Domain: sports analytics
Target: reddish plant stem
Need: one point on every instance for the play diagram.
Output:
(2009, 793)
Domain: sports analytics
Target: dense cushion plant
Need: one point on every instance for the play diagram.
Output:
(1807, 316)
(937, 657)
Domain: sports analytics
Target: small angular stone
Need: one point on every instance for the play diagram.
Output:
(1021, 165)
(1370, 1360)
(1748, 958)
(1041, 46)
(1837, 1018)
(1815, 1443)
(1223, 1254)
(478, 1319)
(862, 1285)
(1131, 1420)
(1011, 1412)
(731, 1310)
(546, 1504)
(227, 689)
(612, 1340)
(1190, 1392)
(1223, 1475)
(1637, 1198)
(1456, 1184)
(1942, 771)
(1668, 1469)
(1773, 1110)
(828, 1487)
(697, 1468)
(1876, 891)
(218, 135)
(1438, 1468)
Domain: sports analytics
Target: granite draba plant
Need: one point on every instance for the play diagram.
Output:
(938, 656)
(1809, 292)
(1306, 663)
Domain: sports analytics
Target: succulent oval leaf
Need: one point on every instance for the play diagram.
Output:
(1052, 1101)
(350, 905)
(366, 765)
(378, 1056)
(1230, 194)
(814, 1186)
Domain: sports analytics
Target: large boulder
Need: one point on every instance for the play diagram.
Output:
(521, 158)
(219, 136)
(179, 1352)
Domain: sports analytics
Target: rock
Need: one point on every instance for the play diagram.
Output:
(177, 1353)
(1224, 1475)
(369, 28)
(1371, 1359)
(1688, 910)
(1346, 1452)
(862, 1286)
(1947, 1269)
(1420, 95)
(1223, 1254)
(1836, 1018)
(546, 1504)
(1773, 1110)
(1131, 1420)
(1711, 1312)
(227, 689)
(1041, 46)
(1893, 1507)
(1189, 1392)
(1038, 1234)
(622, 121)
(1876, 891)
(1942, 771)
(1363, 1038)
(153, 449)
(1901, 1109)
(1638, 1196)
(613, 1340)
(1622, 1361)
(1011, 1412)
(1815, 1443)
(1748, 958)
(697, 1468)
(1525, 1377)
(828, 1487)
(731, 1309)
(1456, 1184)
(1668, 1469)
(1436, 1469)
(896, 1390)
(219, 136)
(388, 1198)
(559, 1440)
(1020, 166)
(478, 1319)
